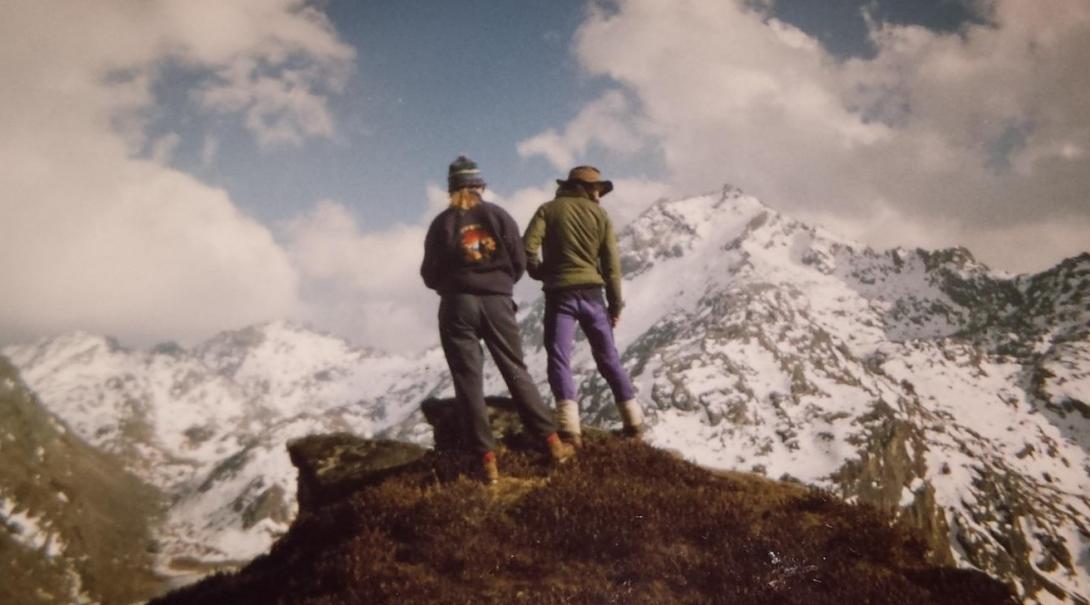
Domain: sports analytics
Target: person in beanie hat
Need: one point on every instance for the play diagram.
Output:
(579, 259)
(464, 174)
(473, 256)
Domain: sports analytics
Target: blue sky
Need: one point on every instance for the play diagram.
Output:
(175, 168)
(433, 79)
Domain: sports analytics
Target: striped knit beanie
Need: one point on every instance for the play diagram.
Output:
(463, 172)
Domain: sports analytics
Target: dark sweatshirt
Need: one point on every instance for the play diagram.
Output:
(475, 251)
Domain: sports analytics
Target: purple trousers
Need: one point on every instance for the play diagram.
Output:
(564, 310)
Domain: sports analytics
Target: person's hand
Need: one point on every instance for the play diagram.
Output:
(614, 320)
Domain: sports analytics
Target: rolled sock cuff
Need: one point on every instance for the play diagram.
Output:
(631, 413)
(567, 417)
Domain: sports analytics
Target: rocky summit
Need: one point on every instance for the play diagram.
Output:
(948, 395)
(386, 522)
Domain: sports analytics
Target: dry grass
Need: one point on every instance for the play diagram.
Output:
(623, 523)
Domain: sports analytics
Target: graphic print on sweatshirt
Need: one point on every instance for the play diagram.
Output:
(477, 243)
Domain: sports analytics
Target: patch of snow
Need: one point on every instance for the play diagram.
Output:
(29, 531)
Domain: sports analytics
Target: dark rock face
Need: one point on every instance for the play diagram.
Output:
(878, 477)
(448, 423)
(332, 466)
(448, 426)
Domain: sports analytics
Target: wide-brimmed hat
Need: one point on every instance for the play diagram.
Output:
(463, 173)
(589, 175)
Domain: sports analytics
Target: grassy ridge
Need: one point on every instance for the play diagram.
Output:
(624, 523)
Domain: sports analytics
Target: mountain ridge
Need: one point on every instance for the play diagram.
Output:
(920, 380)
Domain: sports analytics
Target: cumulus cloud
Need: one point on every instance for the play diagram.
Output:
(280, 110)
(253, 57)
(163, 148)
(976, 137)
(605, 122)
(93, 236)
(364, 285)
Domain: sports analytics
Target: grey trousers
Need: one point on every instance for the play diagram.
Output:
(465, 320)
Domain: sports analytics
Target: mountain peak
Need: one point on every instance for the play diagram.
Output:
(260, 344)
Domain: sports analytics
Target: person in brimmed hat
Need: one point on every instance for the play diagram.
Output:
(579, 258)
(472, 257)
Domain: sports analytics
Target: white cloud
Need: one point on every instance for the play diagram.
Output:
(280, 109)
(162, 150)
(327, 245)
(605, 122)
(365, 286)
(93, 237)
(975, 135)
(253, 56)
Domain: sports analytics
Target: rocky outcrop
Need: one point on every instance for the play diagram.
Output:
(332, 466)
(890, 475)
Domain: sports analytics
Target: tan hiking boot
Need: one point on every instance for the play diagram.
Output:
(489, 469)
(633, 432)
(559, 452)
(574, 440)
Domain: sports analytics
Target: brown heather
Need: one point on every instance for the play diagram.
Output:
(622, 523)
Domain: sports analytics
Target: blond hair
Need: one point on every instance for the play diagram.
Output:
(465, 198)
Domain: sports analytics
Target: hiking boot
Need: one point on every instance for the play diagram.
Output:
(489, 470)
(559, 452)
(633, 432)
(573, 439)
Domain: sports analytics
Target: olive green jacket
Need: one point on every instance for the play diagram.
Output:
(578, 247)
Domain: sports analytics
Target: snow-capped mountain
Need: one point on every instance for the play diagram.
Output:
(208, 426)
(922, 382)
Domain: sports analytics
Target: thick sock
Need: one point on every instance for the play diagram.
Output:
(631, 414)
(567, 417)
